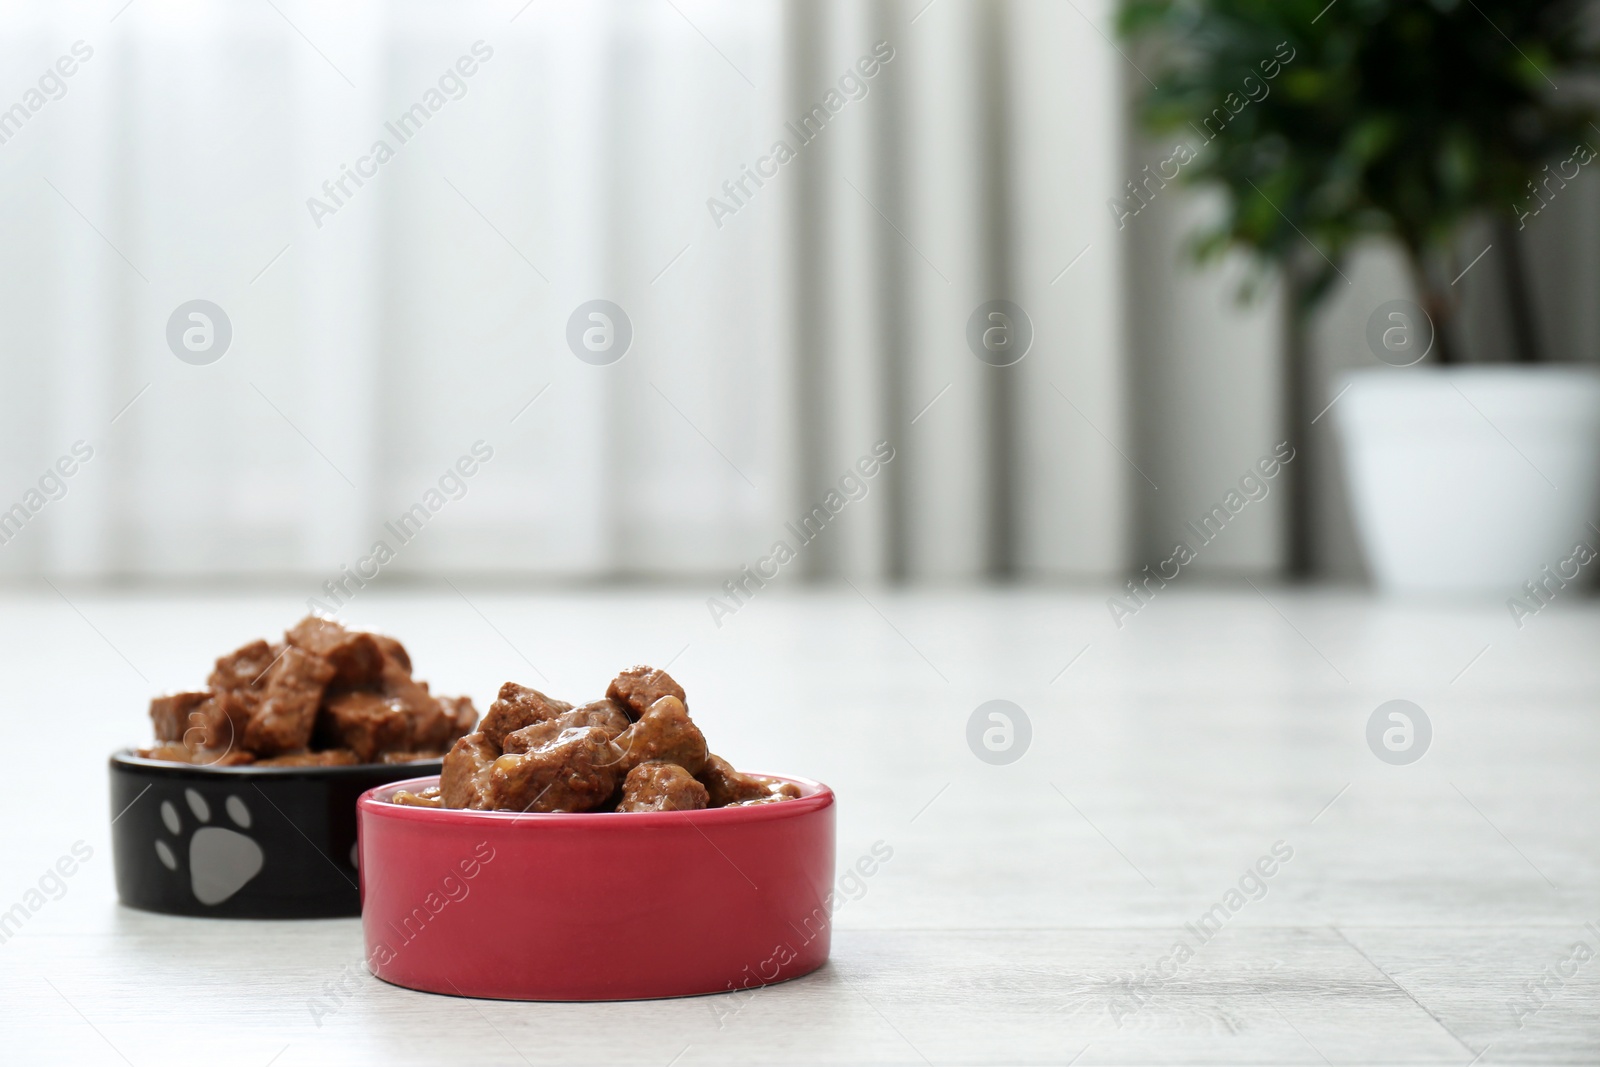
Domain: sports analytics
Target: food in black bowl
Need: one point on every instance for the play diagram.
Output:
(245, 807)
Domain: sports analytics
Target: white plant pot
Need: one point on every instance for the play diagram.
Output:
(1471, 479)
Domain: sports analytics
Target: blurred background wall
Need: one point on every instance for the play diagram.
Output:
(780, 330)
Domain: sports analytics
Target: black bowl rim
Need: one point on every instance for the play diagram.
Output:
(816, 797)
(125, 760)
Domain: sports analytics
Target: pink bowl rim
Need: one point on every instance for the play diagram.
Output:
(814, 796)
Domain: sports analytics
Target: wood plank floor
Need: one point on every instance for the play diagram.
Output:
(1030, 912)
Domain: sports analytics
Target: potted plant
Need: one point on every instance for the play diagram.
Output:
(1415, 121)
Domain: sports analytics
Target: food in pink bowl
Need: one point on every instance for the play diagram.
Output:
(633, 750)
(598, 852)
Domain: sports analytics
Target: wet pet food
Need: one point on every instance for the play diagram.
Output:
(325, 696)
(636, 749)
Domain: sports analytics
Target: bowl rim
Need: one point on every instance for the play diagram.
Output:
(126, 760)
(814, 797)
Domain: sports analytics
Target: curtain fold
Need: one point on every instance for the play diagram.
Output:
(786, 315)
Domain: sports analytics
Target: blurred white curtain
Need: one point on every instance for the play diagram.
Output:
(429, 311)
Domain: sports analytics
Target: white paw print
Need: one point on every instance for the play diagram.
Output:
(221, 861)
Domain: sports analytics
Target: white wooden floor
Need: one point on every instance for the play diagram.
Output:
(1029, 912)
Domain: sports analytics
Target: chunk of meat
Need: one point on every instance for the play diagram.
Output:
(175, 715)
(605, 713)
(232, 710)
(657, 786)
(211, 725)
(464, 777)
(463, 717)
(664, 732)
(435, 722)
(357, 657)
(518, 706)
(602, 713)
(394, 650)
(636, 688)
(237, 685)
(368, 724)
(328, 757)
(236, 707)
(428, 724)
(730, 788)
(288, 709)
(576, 771)
(373, 705)
(245, 667)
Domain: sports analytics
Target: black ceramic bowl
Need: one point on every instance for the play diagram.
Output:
(241, 842)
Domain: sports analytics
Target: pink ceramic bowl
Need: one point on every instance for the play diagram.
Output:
(595, 906)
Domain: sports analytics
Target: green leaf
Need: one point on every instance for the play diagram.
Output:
(1402, 118)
